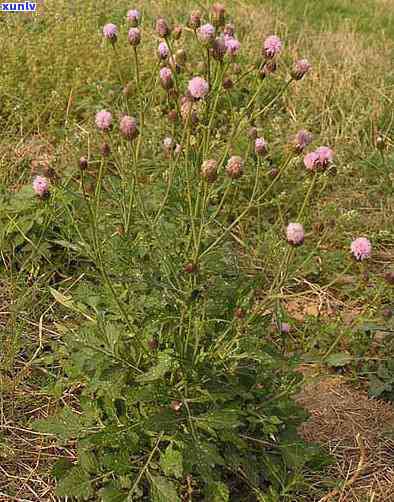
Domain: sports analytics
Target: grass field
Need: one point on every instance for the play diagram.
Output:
(103, 259)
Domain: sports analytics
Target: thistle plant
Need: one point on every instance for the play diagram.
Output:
(185, 393)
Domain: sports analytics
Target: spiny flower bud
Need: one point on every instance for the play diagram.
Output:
(181, 57)
(229, 30)
(252, 133)
(228, 83)
(176, 405)
(134, 36)
(301, 68)
(177, 32)
(235, 167)
(389, 276)
(268, 69)
(218, 14)
(219, 49)
(128, 89)
(240, 313)
(295, 234)
(41, 186)
(380, 142)
(194, 20)
(83, 163)
(172, 115)
(105, 150)
(209, 170)
(153, 344)
(190, 268)
(162, 28)
(237, 68)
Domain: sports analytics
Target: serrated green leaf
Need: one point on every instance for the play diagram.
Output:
(171, 462)
(111, 493)
(65, 425)
(163, 490)
(218, 492)
(75, 484)
(165, 363)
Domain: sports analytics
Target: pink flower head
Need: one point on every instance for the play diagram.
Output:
(301, 67)
(128, 127)
(163, 50)
(260, 146)
(206, 34)
(209, 170)
(295, 234)
(110, 32)
(198, 87)
(232, 46)
(361, 248)
(324, 156)
(41, 186)
(285, 328)
(134, 36)
(310, 160)
(103, 120)
(272, 46)
(134, 16)
(302, 139)
(166, 78)
(162, 28)
(235, 167)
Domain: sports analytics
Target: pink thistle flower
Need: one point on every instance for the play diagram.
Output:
(166, 78)
(162, 28)
(41, 186)
(232, 46)
(206, 34)
(310, 161)
(134, 16)
(235, 167)
(260, 146)
(272, 46)
(301, 68)
(163, 50)
(103, 120)
(110, 32)
(302, 139)
(128, 127)
(361, 248)
(285, 328)
(295, 234)
(198, 87)
(168, 143)
(324, 156)
(134, 36)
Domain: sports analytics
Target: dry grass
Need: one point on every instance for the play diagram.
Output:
(352, 426)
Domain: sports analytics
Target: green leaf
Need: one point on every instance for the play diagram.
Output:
(65, 425)
(218, 492)
(163, 490)
(165, 364)
(76, 484)
(171, 462)
(338, 359)
(111, 493)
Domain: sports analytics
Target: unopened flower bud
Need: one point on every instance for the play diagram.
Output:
(301, 68)
(128, 89)
(181, 57)
(177, 32)
(380, 142)
(153, 344)
(218, 14)
(194, 20)
(209, 170)
(228, 83)
(176, 405)
(219, 49)
(190, 268)
(229, 30)
(166, 78)
(240, 313)
(83, 163)
(105, 150)
(260, 146)
(172, 115)
(235, 167)
(252, 133)
(389, 276)
(134, 36)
